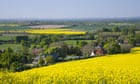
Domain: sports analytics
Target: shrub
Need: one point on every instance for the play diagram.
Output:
(41, 61)
(16, 66)
(49, 59)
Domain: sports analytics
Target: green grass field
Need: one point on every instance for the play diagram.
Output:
(8, 28)
(74, 42)
(5, 38)
(13, 46)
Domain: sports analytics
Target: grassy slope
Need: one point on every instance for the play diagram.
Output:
(116, 69)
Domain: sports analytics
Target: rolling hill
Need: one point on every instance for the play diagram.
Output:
(110, 69)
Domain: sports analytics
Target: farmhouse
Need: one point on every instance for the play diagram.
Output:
(1, 51)
(37, 58)
(37, 51)
(98, 51)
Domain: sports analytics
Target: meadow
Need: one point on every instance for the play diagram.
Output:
(110, 69)
(10, 25)
(74, 42)
(13, 46)
(5, 38)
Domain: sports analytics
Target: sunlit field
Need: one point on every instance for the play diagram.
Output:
(47, 31)
(54, 31)
(111, 69)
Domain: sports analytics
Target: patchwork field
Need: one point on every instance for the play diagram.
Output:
(111, 69)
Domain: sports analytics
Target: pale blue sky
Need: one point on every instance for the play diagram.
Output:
(59, 9)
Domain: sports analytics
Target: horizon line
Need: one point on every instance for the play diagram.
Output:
(90, 18)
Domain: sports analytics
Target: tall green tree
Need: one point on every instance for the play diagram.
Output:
(41, 61)
(116, 29)
(49, 59)
(112, 47)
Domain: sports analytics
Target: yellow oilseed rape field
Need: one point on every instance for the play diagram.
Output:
(55, 31)
(48, 31)
(110, 69)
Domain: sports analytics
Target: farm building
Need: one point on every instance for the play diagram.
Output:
(98, 51)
